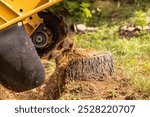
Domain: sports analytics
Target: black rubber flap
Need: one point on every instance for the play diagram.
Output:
(20, 66)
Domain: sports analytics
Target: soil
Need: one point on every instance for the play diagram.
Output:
(56, 87)
(96, 90)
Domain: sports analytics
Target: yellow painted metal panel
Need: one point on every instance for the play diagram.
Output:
(31, 23)
(29, 28)
(25, 5)
(2, 21)
(6, 12)
(42, 2)
(13, 11)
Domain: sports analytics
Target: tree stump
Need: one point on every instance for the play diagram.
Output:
(95, 67)
(87, 65)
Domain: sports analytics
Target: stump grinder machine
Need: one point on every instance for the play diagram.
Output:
(28, 31)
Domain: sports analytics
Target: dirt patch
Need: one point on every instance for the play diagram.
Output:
(96, 90)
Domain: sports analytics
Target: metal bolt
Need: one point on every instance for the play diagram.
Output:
(19, 23)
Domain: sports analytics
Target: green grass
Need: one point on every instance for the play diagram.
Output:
(131, 55)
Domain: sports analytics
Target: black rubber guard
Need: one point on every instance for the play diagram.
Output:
(20, 66)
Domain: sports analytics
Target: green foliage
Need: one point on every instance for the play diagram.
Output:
(141, 1)
(140, 18)
(79, 10)
(87, 10)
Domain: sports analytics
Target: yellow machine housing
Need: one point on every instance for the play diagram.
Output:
(14, 11)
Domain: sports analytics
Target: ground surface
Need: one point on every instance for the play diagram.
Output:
(109, 88)
(131, 53)
(57, 86)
